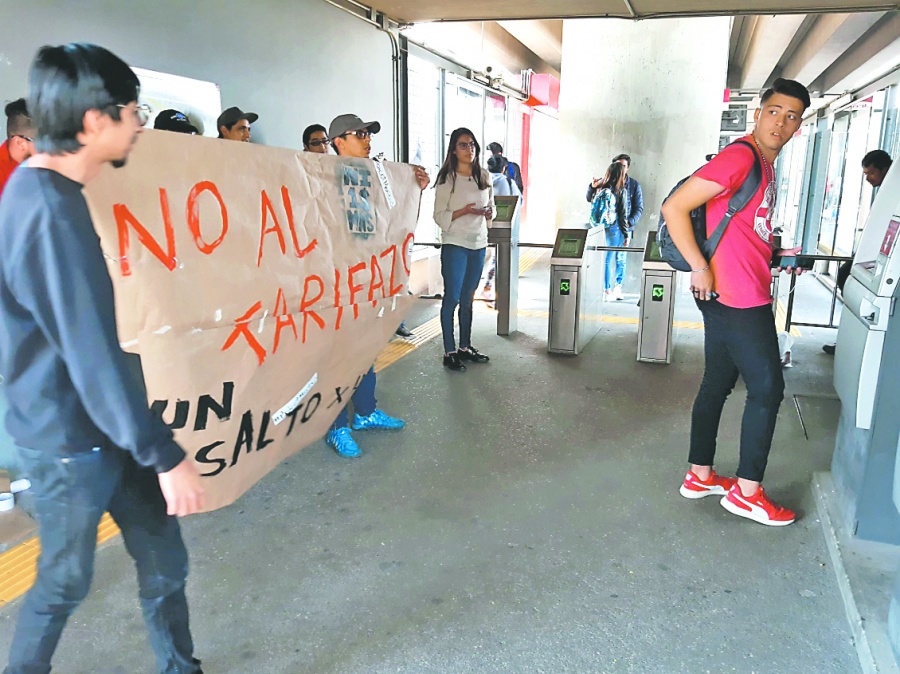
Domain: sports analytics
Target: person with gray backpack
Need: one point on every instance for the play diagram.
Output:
(732, 291)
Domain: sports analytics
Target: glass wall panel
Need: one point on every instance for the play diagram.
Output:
(834, 182)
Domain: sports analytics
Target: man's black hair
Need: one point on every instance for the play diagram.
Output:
(227, 126)
(67, 81)
(877, 158)
(18, 121)
(785, 87)
(495, 148)
(310, 130)
(497, 164)
(624, 156)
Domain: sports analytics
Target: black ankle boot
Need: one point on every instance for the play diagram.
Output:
(453, 362)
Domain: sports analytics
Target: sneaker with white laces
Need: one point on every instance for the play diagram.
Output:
(757, 508)
(343, 443)
(715, 485)
(377, 420)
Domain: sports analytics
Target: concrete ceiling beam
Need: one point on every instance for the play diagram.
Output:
(867, 59)
(770, 39)
(544, 38)
(830, 36)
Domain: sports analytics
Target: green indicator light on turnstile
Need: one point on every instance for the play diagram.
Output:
(658, 293)
(564, 286)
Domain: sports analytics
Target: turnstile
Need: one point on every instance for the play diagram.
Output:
(576, 289)
(504, 234)
(658, 284)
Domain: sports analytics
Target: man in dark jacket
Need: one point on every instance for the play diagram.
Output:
(77, 412)
(635, 210)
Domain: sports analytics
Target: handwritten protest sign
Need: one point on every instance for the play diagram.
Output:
(257, 284)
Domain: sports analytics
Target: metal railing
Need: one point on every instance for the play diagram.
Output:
(834, 291)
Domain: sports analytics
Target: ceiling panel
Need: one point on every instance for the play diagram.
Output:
(409, 11)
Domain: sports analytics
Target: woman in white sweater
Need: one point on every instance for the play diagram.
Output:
(463, 209)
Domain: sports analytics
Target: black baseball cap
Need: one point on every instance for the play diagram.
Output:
(346, 123)
(235, 114)
(174, 120)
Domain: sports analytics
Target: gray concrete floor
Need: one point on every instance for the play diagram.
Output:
(527, 520)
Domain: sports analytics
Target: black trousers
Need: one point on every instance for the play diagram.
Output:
(738, 342)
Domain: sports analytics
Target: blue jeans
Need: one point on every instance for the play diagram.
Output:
(461, 270)
(363, 400)
(615, 261)
(71, 495)
(738, 342)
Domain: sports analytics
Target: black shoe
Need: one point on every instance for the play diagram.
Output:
(453, 362)
(402, 331)
(829, 349)
(473, 355)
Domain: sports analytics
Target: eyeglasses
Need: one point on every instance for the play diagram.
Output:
(19, 135)
(362, 134)
(466, 146)
(141, 111)
(318, 143)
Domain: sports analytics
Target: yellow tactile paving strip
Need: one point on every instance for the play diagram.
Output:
(18, 566)
(396, 349)
(781, 319)
(528, 257)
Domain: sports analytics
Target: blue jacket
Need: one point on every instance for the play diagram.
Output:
(635, 206)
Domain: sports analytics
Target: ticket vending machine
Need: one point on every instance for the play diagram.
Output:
(867, 376)
(504, 234)
(658, 285)
(576, 289)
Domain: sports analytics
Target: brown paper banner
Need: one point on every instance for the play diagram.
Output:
(258, 286)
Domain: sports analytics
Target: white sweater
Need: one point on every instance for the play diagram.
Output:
(468, 231)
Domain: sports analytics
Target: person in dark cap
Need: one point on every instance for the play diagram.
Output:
(234, 124)
(174, 120)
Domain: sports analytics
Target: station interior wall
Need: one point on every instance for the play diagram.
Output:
(294, 62)
(656, 96)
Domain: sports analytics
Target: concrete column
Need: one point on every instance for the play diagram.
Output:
(652, 89)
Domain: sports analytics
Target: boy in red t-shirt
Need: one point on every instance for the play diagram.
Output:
(732, 292)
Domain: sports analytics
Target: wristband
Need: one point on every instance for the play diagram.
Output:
(697, 271)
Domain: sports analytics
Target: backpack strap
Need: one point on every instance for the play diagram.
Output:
(738, 200)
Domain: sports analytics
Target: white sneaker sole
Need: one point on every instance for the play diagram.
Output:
(694, 495)
(762, 518)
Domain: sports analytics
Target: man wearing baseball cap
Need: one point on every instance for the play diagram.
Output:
(352, 137)
(234, 124)
(174, 120)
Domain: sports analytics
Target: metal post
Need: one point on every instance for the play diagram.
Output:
(507, 285)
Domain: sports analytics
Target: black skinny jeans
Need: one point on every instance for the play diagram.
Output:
(738, 342)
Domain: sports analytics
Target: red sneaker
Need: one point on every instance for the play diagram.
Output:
(694, 487)
(757, 508)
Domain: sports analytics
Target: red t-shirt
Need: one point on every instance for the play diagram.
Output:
(742, 262)
(7, 164)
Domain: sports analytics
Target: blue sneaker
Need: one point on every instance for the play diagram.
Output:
(343, 443)
(377, 420)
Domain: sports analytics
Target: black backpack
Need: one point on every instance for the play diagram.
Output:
(667, 249)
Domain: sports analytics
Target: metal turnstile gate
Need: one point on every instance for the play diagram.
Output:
(658, 285)
(576, 289)
(504, 234)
